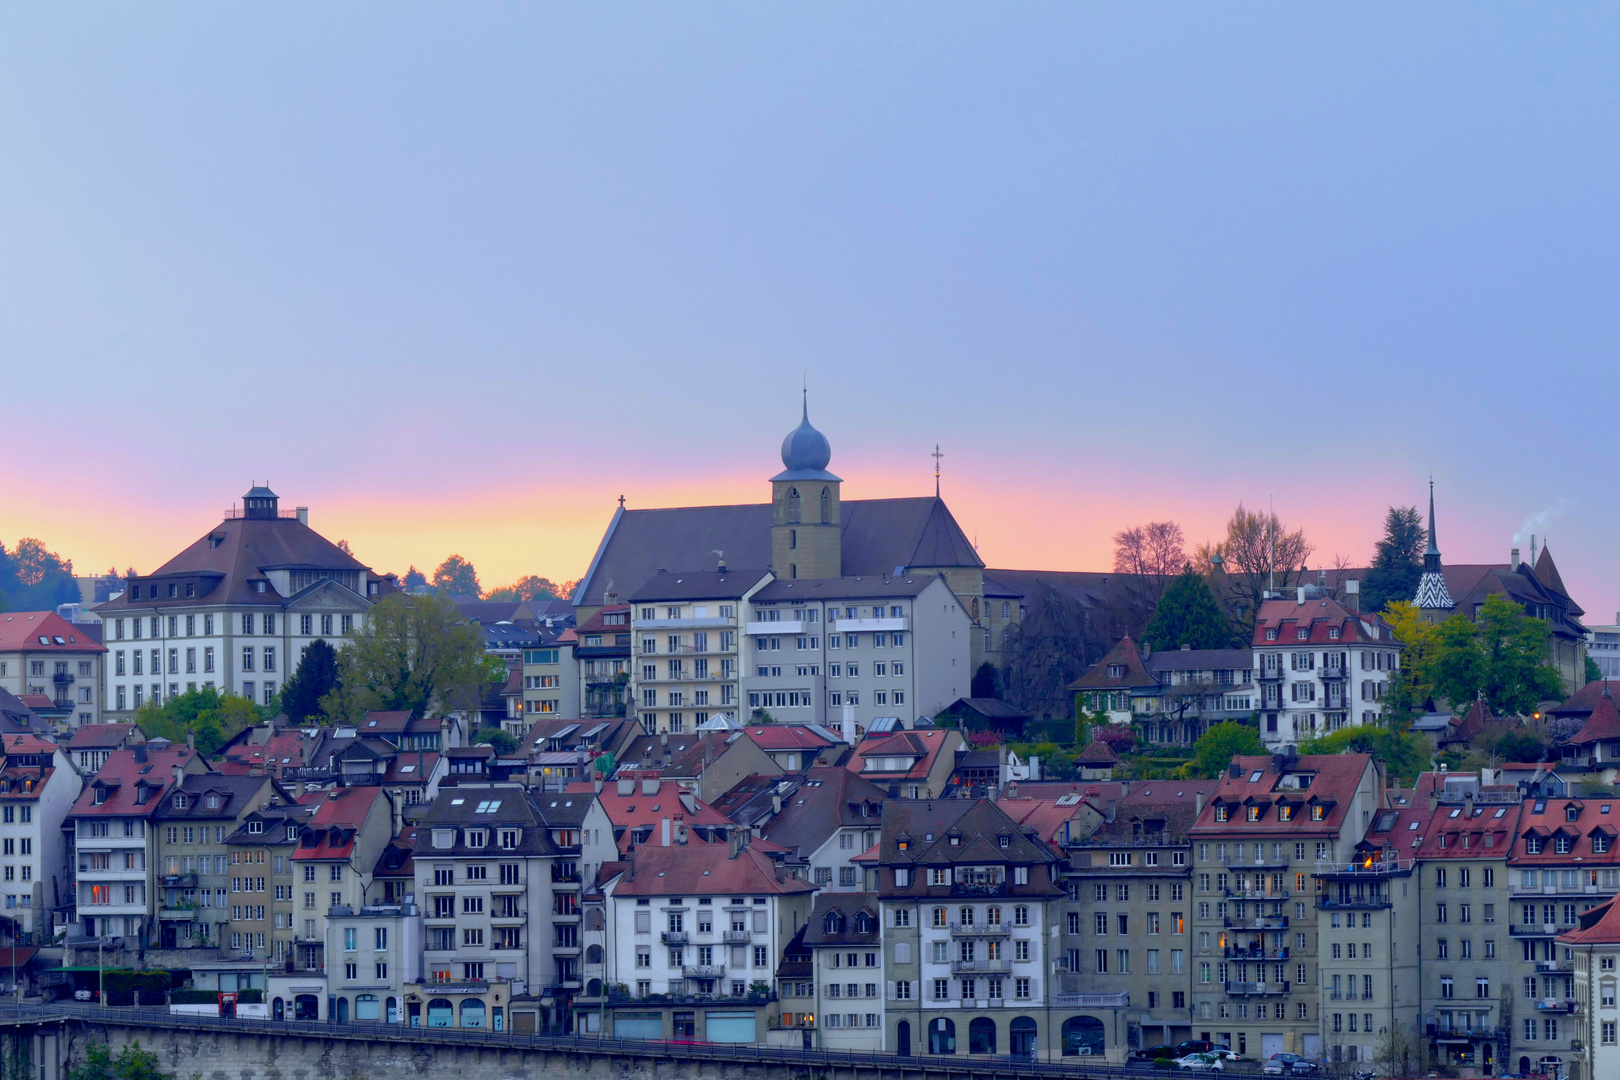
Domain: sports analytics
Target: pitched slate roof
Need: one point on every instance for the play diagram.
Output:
(827, 799)
(845, 906)
(705, 869)
(1318, 617)
(1125, 654)
(878, 535)
(1599, 926)
(697, 585)
(102, 736)
(1097, 752)
(1602, 724)
(1334, 780)
(1584, 700)
(946, 832)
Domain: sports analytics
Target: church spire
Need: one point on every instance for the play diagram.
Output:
(1433, 598)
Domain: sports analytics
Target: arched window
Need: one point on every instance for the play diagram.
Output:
(392, 1005)
(1021, 1036)
(826, 505)
(593, 988)
(864, 923)
(1083, 1036)
(982, 1036)
(441, 1013)
(793, 505)
(593, 955)
(593, 918)
(472, 1013)
(941, 1036)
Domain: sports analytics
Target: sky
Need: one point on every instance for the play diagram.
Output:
(458, 276)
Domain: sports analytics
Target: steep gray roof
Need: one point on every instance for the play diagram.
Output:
(878, 535)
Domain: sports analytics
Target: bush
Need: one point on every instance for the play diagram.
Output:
(193, 997)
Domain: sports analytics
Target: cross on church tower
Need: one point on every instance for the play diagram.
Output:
(936, 455)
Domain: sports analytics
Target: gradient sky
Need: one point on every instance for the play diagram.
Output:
(458, 276)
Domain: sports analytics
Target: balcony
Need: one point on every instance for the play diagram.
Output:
(978, 888)
(1538, 929)
(736, 937)
(1463, 1029)
(1232, 953)
(861, 626)
(178, 881)
(1367, 903)
(177, 914)
(1257, 922)
(706, 623)
(1257, 895)
(1556, 965)
(565, 948)
(1120, 1000)
(1257, 989)
(560, 916)
(1557, 1005)
(703, 971)
(974, 930)
(1335, 673)
(1363, 869)
(982, 967)
(674, 937)
(456, 986)
(795, 627)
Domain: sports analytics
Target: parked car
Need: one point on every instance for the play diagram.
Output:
(1201, 1063)
(1194, 1046)
(1153, 1053)
(1290, 1065)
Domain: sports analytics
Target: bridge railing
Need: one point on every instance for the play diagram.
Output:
(978, 1065)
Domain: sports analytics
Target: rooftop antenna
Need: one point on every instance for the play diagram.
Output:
(1271, 529)
(936, 455)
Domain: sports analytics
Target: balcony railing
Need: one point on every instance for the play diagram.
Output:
(736, 937)
(1257, 922)
(1539, 929)
(1256, 989)
(1120, 1000)
(1557, 1005)
(703, 971)
(1362, 903)
(674, 937)
(1257, 894)
(1232, 953)
(978, 888)
(1461, 1028)
(984, 967)
(1567, 964)
(977, 930)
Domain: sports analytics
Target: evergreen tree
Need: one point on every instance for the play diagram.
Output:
(1188, 615)
(456, 576)
(1398, 560)
(317, 676)
(984, 681)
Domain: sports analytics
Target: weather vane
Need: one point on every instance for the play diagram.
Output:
(936, 455)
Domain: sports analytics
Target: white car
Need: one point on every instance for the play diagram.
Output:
(1201, 1063)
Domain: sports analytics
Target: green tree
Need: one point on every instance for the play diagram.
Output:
(456, 576)
(210, 718)
(34, 578)
(1188, 615)
(413, 578)
(132, 1063)
(984, 681)
(1397, 560)
(317, 676)
(1505, 655)
(1216, 748)
(504, 742)
(1413, 685)
(1403, 754)
(530, 587)
(1593, 672)
(414, 653)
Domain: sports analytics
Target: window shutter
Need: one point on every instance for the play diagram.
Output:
(891, 990)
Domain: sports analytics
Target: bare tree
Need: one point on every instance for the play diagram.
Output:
(1259, 553)
(1403, 1051)
(1150, 555)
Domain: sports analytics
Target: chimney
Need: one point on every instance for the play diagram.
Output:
(1300, 594)
(849, 725)
(776, 804)
(663, 738)
(627, 785)
(191, 741)
(678, 823)
(303, 515)
(596, 785)
(1352, 595)
(1145, 649)
(179, 774)
(649, 784)
(663, 830)
(396, 803)
(736, 840)
(1198, 803)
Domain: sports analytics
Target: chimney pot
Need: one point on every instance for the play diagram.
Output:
(1513, 559)
(627, 785)
(303, 515)
(649, 784)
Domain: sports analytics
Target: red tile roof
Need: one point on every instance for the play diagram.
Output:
(1318, 618)
(704, 869)
(637, 810)
(21, 630)
(1333, 786)
(1599, 926)
(1591, 817)
(922, 746)
(123, 774)
(788, 737)
(1125, 655)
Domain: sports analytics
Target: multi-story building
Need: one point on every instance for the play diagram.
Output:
(377, 953)
(602, 658)
(1174, 696)
(550, 680)
(686, 626)
(1267, 829)
(1319, 667)
(261, 851)
(93, 744)
(917, 764)
(38, 787)
(1564, 862)
(844, 939)
(42, 654)
(235, 610)
(201, 895)
(827, 818)
(866, 647)
(695, 929)
(970, 904)
(498, 877)
(1594, 951)
(115, 840)
(1125, 922)
(333, 864)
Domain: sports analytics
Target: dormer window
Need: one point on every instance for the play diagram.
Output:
(1563, 845)
(1303, 634)
(212, 802)
(1532, 845)
(1271, 633)
(1600, 844)
(1572, 813)
(98, 796)
(834, 923)
(1285, 812)
(258, 586)
(254, 828)
(1318, 812)
(1254, 813)
(477, 838)
(864, 923)
(1220, 812)
(1116, 671)
(1334, 632)
(179, 802)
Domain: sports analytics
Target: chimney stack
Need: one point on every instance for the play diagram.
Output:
(649, 784)
(663, 827)
(1352, 595)
(1513, 559)
(849, 725)
(303, 515)
(627, 785)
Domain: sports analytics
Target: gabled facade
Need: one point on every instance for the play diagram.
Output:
(44, 655)
(1320, 667)
(843, 937)
(38, 785)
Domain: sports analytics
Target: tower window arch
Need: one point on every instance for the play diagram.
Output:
(826, 504)
(793, 504)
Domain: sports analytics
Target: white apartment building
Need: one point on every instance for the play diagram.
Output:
(234, 611)
(38, 786)
(44, 655)
(847, 960)
(1319, 667)
(880, 646)
(685, 629)
(115, 839)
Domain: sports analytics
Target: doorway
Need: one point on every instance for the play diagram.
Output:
(902, 1038)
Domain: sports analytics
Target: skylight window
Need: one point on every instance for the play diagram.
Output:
(488, 806)
(1500, 811)
(457, 802)
(1412, 827)
(1254, 777)
(1455, 813)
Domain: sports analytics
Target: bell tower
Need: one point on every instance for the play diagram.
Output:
(806, 527)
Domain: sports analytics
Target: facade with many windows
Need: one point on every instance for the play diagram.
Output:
(234, 611)
(1319, 667)
(44, 655)
(686, 664)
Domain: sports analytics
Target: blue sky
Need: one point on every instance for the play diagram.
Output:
(457, 276)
